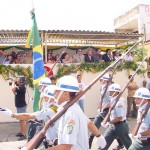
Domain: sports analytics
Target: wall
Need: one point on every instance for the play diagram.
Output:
(91, 101)
(144, 21)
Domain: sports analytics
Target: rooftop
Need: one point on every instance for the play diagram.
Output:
(69, 37)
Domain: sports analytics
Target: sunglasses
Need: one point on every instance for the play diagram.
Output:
(79, 51)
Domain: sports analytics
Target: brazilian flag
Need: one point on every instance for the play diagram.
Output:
(38, 64)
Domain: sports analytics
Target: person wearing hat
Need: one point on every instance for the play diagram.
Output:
(73, 124)
(105, 106)
(142, 139)
(104, 110)
(118, 128)
(43, 83)
(34, 128)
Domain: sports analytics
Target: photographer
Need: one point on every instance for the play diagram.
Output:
(19, 90)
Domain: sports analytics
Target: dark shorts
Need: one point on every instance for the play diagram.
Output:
(21, 109)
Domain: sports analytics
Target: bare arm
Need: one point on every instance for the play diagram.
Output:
(115, 120)
(61, 147)
(24, 116)
(146, 133)
(106, 106)
(93, 129)
(14, 86)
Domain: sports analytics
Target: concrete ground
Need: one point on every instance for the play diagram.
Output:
(8, 140)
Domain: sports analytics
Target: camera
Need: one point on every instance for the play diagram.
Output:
(10, 81)
(23, 81)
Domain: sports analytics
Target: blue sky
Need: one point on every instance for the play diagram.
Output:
(64, 14)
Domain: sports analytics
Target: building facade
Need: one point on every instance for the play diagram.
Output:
(136, 20)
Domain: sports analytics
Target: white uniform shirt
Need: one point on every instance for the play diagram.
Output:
(145, 125)
(81, 87)
(45, 115)
(73, 129)
(119, 110)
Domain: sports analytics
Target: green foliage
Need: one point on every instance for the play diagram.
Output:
(96, 67)
(7, 71)
(138, 53)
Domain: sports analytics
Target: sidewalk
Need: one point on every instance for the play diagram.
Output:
(8, 140)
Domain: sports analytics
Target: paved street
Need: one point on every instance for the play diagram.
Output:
(8, 140)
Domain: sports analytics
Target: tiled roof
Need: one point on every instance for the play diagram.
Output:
(69, 37)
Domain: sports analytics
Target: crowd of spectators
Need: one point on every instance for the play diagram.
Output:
(20, 57)
(91, 55)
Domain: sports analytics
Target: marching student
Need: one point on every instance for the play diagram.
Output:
(33, 128)
(105, 106)
(72, 128)
(104, 110)
(142, 139)
(118, 128)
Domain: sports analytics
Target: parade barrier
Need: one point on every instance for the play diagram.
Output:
(32, 143)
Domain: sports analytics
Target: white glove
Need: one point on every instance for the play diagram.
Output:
(98, 110)
(105, 125)
(6, 111)
(137, 136)
(23, 148)
(101, 142)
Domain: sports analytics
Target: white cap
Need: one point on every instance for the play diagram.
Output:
(49, 91)
(68, 83)
(105, 77)
(115, 87)
(45, 81)
(142, 93)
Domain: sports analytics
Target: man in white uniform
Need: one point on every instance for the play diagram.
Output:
(72, 129)
(118, 128)
(34, 128)
(142, 142)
